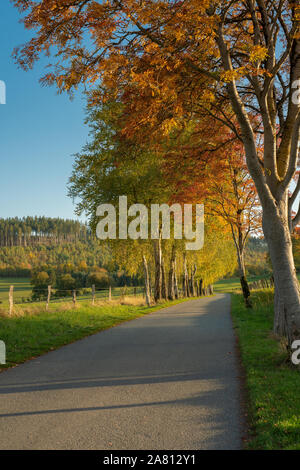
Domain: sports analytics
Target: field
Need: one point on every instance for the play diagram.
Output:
(22, 292)
(22, 289)
(233, 284)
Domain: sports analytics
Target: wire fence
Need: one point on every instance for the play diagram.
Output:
(52, 295)
(262, 284)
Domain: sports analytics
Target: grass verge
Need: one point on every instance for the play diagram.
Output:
(35, 332)
(272, 382)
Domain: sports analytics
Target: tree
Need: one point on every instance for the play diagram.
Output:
(100, 279)
(236, 202)
(65, 284)
(168, 58)
(111, 165)
(201, 157)
(40, 282)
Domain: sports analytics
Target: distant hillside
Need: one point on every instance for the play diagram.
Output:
(29, 231)
(19, 261)
(33, 243)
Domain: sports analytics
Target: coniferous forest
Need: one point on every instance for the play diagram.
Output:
(27, 231)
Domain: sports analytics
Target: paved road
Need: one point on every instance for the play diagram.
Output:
(165, 381)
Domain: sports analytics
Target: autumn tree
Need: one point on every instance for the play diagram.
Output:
(171, 58)
(237, 203)
(201, 157)
(111, 165)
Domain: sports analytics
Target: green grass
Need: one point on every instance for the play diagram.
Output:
(22, 288)
(233, 284)
(31, 335)
(272, 382)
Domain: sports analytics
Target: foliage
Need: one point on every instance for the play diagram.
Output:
(21, 261)
(111, 165)
(99, 279)
(40, 282)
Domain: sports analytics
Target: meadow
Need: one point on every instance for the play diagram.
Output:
(23, 288)
(233, 284)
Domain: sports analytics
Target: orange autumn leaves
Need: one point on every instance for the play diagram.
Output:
(208, 165)
(137, 49)
(159, 58)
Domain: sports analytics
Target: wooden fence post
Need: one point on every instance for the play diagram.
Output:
(48, 297)
(109, 293)
(74, 298)
(11, 299)
(93, 294)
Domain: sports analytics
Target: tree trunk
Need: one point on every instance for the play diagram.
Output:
(147, 284)
(243, 278)
(200, 287)
(186, 282)
(287, 295)
(164, 287)
(185, 278)
(176, 290)
(171, 287)
(239, 240)
(158, 270)
(193, 272)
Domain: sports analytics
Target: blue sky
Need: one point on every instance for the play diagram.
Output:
(40, 130)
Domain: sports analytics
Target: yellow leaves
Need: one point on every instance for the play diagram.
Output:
(150, 47)
(231, 75)
(179, 35)
(254, 56)
(258, 54)
(168, 125)
(208, 95)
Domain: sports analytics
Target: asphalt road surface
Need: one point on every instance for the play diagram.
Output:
(169, 380)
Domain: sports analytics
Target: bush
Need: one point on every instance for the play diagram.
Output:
(100, 279)
(65, 284)
(40, 282)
